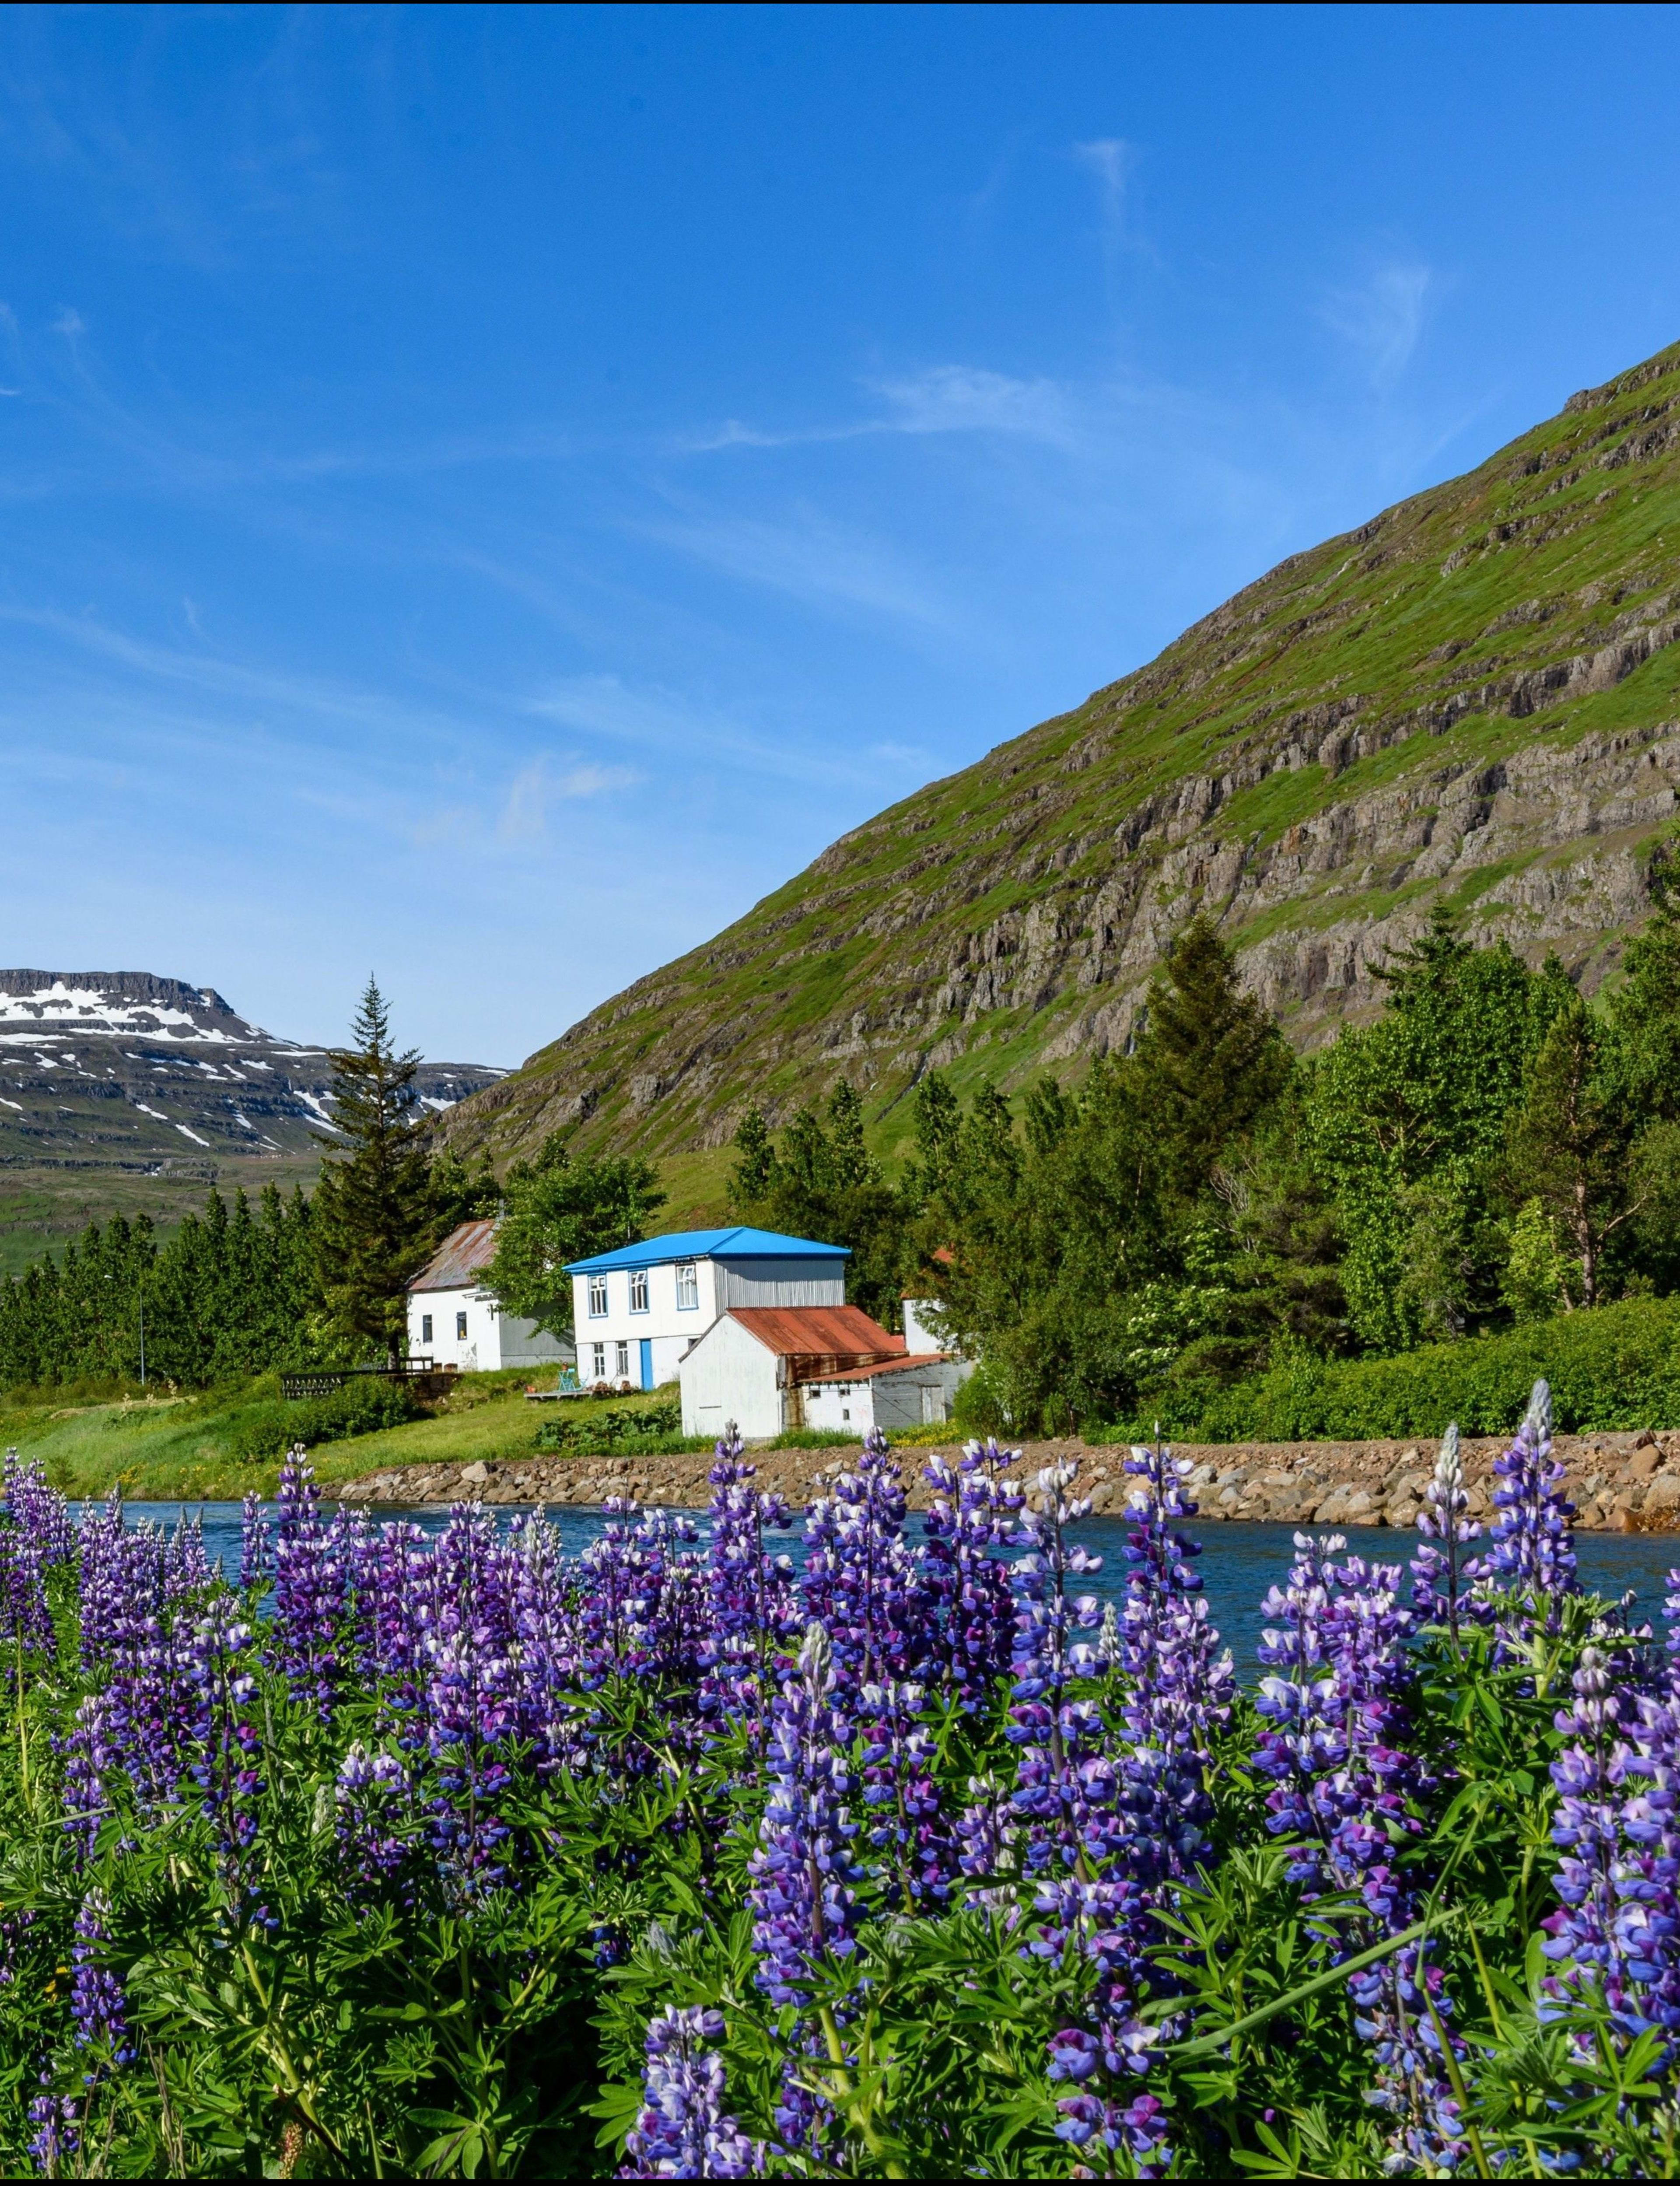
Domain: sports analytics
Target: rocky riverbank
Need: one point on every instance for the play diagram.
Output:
(1619, 1482)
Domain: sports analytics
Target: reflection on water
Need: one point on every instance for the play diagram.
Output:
(1238, 1563)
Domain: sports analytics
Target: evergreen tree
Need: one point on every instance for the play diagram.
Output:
(374, 1217)
(1570, 1149)
(1215, 1059)
(559, 1209)
(820, 1180)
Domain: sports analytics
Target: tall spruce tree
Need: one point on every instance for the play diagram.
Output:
(1216, 1061)
(1570, 1148)
(374, 1212)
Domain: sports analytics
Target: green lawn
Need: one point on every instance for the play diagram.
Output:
(167, 1448)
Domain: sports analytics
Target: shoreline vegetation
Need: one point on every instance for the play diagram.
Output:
(462, 1857)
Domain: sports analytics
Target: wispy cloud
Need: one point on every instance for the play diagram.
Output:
(809, 557)
(963, 398)
(70, 322)
(1382, 318)
(942, 398)
(1110, 162)
(536, 788)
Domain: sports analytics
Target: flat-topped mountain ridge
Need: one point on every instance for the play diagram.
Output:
(1473, 698)
(121, 1092)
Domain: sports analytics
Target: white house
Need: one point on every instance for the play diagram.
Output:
(454, 1320)
(826, 1367)
(640, 1310)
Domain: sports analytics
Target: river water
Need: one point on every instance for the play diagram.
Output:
(1238, 1563)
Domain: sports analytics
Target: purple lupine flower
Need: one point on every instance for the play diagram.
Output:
(905, 1825)
(1341, 1786)
(88, 1757)
(309, 1591)
(1149, 1830)
(966, 1584)
(546, 1644)
(1584, 1937)
(25, 1618)
(860, 1578)
(376, 1820)
(226, 1769)
(1442, 1578)
(471, 1701)
(752, 1606)
(1063, 1794)
(99, 2007)
(121, 1578)
(257, 1551)
(1177, 1684)
(1531, 1546)
(683, 2130)
(186, 1567)
(38, 1512)
(804, 1872)
(56, 2137)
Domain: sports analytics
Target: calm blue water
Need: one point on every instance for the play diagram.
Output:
(1239, 1562)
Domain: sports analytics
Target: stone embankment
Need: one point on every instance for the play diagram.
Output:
(1619, 1482)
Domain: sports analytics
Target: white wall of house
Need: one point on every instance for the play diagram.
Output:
(467, 1329)
(918, 1336)
(615, 1315)
(728, 1375)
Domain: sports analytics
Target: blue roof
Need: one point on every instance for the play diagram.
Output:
(709, 1245)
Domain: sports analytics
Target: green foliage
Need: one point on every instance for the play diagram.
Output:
(364, 1404)
(820, 1181)
(1535, 1278)
(233, 1290)
(559, 1209)
(650, 1429)
(374, 1215)
(1616, 1368)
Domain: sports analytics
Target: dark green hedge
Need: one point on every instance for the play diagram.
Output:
(1614, 1368)
(364, 1404)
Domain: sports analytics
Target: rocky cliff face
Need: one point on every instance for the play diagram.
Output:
(121, 1092)
(1476, 697)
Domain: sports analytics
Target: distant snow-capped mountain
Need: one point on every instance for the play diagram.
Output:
(126, 1070)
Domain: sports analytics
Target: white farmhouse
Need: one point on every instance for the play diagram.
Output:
(453, 1319)
(831, 1368)
(639, 1310)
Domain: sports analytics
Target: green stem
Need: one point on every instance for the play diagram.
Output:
(1205, 2045)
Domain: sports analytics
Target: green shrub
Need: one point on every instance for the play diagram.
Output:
(651, 1431)
(1616, 1367)
(365, 1405)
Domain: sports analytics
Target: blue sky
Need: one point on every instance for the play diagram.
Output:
(485, 495)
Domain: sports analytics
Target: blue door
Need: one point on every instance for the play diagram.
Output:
(647, 1362)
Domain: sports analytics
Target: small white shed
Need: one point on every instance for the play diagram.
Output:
(455, 1320)
(772, 1368)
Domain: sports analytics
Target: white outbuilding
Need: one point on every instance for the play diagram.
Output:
(829, 1367)
(455, 1320)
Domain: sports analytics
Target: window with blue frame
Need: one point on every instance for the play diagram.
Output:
(638, 1290)
(597, 1297)
(687, 1286)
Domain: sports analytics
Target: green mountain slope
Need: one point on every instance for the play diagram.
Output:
(1474, 696)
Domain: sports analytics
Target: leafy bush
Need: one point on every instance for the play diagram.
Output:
(652, 1431)
(1616, 1367)
(365, 1405)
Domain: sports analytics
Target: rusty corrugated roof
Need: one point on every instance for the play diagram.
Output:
(900, 1364)
(824, 1332)
(460, 1259)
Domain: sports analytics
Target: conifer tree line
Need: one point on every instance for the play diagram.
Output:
(239, 1290)
(1490, 1149)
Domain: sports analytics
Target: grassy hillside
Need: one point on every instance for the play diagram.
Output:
(1470, 698)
